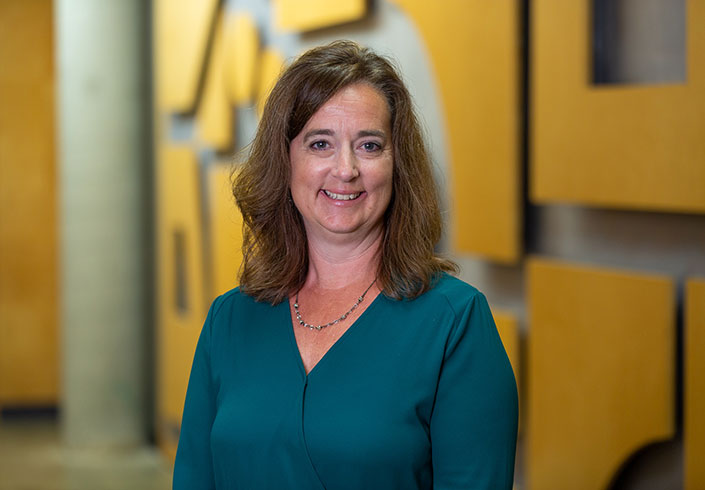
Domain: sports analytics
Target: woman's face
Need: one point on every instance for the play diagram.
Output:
(342, 165)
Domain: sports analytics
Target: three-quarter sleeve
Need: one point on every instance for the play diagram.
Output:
(193, 467)
(474, 421)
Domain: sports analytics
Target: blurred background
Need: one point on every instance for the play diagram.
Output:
(568, 138)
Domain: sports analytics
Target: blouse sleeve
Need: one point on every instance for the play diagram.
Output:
(474, 420)
(193, 467)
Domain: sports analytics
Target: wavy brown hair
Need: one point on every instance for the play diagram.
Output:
(275, 251)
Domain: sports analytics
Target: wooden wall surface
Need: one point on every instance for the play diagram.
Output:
(28, 238)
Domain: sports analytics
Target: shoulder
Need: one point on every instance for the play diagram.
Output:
(234, 318)
(225, 300)
(466, 305)
(235, 304)
(453, 293)
(450, 304)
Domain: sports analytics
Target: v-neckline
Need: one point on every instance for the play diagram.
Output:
(341, 340)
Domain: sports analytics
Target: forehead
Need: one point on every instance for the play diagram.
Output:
(355, 104)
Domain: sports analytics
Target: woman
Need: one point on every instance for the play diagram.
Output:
(348, 358)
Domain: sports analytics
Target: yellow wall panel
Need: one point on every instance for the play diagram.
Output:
(215, 116)
(271, 64)
(694, 424)
(306, 15)
(179, 240)
(601, 371)
(474, 48)
(622, 146)
(508, 328)
(28, 234)
(241, 52)
(226, 229)
(182, 28)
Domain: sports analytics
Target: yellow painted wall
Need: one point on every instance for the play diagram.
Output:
(621, 146)
(474, 50)
(306, 15)
(270, 66)
(214, 117)
(178, 212)
(508, 328)
(241, 56)
(28, 235)
(181, 32)
(225, 229)
(694, 423)
(601, 371)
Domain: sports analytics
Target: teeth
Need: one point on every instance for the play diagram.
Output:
(342, 197)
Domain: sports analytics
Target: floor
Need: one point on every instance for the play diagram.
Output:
(33, 458)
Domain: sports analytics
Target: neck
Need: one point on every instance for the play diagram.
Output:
(337, 265)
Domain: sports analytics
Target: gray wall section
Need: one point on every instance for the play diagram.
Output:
(639, 41)
(102, 144)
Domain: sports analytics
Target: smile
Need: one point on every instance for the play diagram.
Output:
(342, 197)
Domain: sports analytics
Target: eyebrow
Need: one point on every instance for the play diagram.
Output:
(318, 132)
(372, 132)
(360, 134)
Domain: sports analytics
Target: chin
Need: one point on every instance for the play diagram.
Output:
(343, 230)
(350, 228)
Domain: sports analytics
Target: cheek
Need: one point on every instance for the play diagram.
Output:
(386, 177)
(382, 183)
(304, 184)
(298, 178)
(298, 190)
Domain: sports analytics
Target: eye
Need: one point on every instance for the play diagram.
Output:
(320, 145)
(371, 146)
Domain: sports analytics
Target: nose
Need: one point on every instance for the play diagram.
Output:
(346, 168)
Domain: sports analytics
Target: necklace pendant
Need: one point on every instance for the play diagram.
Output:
(302, 322)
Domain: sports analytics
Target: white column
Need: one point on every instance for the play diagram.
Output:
(103, 140)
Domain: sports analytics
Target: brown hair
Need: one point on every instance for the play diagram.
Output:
(275, 252)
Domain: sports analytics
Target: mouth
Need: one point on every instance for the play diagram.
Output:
(342, 197)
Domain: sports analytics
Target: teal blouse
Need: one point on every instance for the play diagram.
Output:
(417, 394)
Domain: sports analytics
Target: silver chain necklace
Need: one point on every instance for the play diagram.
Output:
(345, 315)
